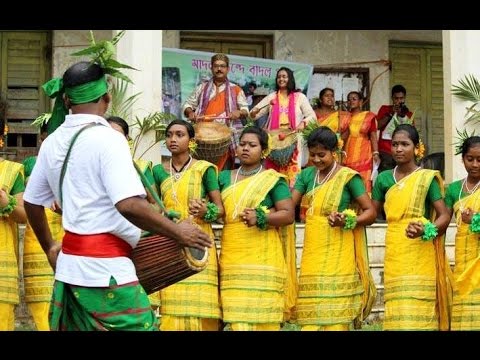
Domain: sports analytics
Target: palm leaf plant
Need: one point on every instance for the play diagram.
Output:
(468, 89)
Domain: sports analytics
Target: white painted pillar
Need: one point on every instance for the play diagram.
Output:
(142, 49)
(461, 56)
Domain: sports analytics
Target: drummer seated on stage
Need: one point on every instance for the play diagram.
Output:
(219, 100)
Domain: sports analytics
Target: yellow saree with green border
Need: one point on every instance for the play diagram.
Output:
(335, 283)
(197, 295)
(9, 171)
(416, 288)
(253, 272)
(466, 307)
(38, 276)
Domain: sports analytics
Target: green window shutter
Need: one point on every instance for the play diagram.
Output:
(420, 70)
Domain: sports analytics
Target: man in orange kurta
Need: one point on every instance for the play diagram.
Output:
(221, 101)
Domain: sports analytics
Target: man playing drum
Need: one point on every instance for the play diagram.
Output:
(221, 101)
(103, 202)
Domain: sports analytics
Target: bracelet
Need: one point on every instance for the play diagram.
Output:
(212, 212)
(475, 224)
(375, 153)
(262, 221)
(430, 230)
(350, 219)
(8, 209)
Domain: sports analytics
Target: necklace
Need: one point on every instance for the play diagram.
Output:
(178, 173)
(237, 204)
(248, 172)
(319, 183)
(401, 182)
(465, 186)
(177, 176)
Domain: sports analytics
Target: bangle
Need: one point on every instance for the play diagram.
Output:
(375, 153)
(262, 221)
(212, 212)
(350, 219)
(430, 230)
(8, 209)
(475, 224)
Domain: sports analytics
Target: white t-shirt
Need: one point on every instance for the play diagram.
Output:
(99, 174)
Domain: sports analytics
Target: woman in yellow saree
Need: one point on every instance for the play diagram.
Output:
(362, 142)
(12, 212)
(415, 263)
(336, 287)
(254, 283)
(38, 276)
(336, 120)
(463, 199)
(190, 188)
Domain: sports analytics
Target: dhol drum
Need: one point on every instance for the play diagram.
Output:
(160, 262)
(213, 140)
(284, 142)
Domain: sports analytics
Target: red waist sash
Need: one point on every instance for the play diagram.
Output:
(97, 245)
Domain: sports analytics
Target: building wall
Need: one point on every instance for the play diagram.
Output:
(336, 48)
(65, 42)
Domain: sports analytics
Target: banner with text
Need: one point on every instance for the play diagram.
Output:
(183, 70)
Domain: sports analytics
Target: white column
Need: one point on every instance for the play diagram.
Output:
(460, 57)
(142, 49)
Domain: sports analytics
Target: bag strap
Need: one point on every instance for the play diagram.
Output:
(67, 157)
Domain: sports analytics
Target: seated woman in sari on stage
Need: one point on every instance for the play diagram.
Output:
(257, 286)
(190, 187)
(362, 141)
(288, 108)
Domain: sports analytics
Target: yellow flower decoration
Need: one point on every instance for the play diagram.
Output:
(192, 146)
(5, 130)
(340, 144)
(267, 151)
(1, 143)
(419, 151)
(349, 212)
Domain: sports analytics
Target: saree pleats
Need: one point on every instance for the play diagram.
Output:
(253, 272)
(196, 296)
(9, 239)
(331, 287)
(466, 305)
(416, 288)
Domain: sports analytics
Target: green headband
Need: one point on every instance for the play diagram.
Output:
(79, 94)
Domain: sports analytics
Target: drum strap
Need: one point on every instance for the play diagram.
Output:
(103, 245)
(65, 162)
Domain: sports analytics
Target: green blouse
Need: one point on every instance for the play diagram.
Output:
(451, 195)
(385, 181)
(279, 192)
(209, 179)
(353, 189)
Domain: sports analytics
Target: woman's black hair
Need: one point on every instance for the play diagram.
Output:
(291, 87)
(410, 130)
(261, 134)
(469, 143)
(120, 122)
(323, 136)
(188, 126)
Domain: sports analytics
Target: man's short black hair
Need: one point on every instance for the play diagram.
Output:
(81, 73)
(399, 88)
